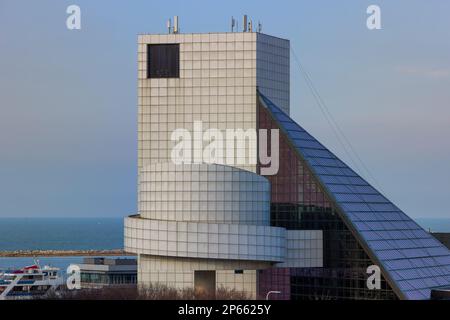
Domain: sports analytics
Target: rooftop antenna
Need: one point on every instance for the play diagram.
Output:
(169, 25)
(259, 26)
(244, 23)
(233, 23)
(250, 26)
(175, 24)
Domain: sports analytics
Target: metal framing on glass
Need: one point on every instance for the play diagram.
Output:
(412, 261)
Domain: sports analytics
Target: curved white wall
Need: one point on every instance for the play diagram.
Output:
(209, 216)
(205, 240)
(203, 193)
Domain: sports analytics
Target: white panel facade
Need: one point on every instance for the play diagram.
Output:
(304, 249)
(219, 74)
(179, 272)
(202, 192)
(205, 240)
(272, 69)
(217, 85)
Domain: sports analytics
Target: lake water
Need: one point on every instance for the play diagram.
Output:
(57, 234)
(60, 233)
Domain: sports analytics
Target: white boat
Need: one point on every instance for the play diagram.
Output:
(28, 282)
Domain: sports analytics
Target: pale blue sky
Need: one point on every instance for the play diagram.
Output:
(68, 98)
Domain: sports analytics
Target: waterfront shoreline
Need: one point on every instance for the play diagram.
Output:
(62, 253)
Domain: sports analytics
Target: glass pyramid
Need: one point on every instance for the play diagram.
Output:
(412, 261)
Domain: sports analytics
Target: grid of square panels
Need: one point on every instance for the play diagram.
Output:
(205, 240)
(299, 202)
(216, 86)
(203, 193)
(272, 69)
(219, 73)
(304, 249)
(413, 259)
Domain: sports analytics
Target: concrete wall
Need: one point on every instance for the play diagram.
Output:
(179, 272)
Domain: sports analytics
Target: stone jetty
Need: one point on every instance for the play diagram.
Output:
(63, 253)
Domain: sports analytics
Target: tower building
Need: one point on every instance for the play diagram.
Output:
(311, 230)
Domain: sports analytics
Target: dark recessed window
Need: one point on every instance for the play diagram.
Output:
(238, 271)
(163, 61)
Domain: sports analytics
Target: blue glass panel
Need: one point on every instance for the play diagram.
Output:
(366, 189)
(300, 143)
(361, 226)
(318, 153)
(335, 188)
(374, 198)
(380, 245)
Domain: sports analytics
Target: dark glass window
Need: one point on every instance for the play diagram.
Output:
(163, 61)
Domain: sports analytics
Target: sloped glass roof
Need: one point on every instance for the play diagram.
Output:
(412, 260)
